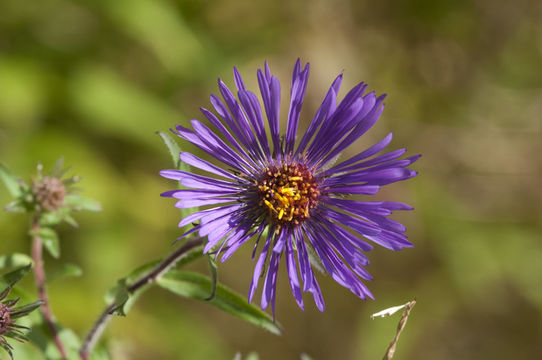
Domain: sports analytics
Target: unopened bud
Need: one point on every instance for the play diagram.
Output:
(49, 193)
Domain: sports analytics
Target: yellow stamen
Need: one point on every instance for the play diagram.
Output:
(281, 213)
(295, 178)
(287, 191)
(269, 205)
(283, 200)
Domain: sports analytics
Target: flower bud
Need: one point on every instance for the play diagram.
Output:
(49, 193)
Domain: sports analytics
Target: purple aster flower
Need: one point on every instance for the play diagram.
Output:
(297, 193)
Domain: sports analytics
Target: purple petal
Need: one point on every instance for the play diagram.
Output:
(292, 274)
(270, 90)
(317, 295)
(240, 119)
(195, 161)
(363, 155)
(259, 266)
(303, 258)
(270, 284)
(323, 112)
(360, 129)
(299, 85)
(354, 189)
(238, 79)
(224, 131)
(219, 211)
(360, 226)
(184, 194)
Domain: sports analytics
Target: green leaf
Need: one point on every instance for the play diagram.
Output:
(214, 276)
(67, 270)
(16, 206)
(14, 260)
(58, 169)
(174, 151)
(99, 353)
(11, 182)
(25, 309)
(50, 241)
(79, 203)
(197, 286)
(6, 349)
(173, 148)
(40, 335)
(52, 218)
(120, 297)
(14, 276)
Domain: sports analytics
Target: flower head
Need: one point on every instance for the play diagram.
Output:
(8, 314)
(295, 192)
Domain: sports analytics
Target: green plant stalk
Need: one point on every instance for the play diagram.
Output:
(105, 317)
(39, 274)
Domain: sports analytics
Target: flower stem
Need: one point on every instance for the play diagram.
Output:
(402, 323)
(39, 274)
(107, 314)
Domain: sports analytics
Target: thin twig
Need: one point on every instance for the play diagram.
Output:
(107, 314)
(39, 274)
(402, 323)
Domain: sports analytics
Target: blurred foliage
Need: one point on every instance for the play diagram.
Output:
(93, 81)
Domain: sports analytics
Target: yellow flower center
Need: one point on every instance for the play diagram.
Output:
(288, 193)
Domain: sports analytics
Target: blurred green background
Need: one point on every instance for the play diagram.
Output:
(93, 80)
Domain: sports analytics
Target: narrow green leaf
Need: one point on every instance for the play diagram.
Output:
(11, 182)
(25, 309)
(78, 202)
(52, 218)
(58, 169)
(173, 148)
(14, 276)
(15, 206)
(118, 296)
(71, 221)
(197, 286)
(14, 260)
(50, 241)
(67, 270)
(174, 151)
(214, 276)
(121, 296)
(6, 349)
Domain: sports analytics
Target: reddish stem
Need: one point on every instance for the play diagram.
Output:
(39, 274)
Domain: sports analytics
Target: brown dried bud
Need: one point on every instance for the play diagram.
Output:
(49, 193)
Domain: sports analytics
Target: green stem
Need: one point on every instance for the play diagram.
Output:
(105, 317)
